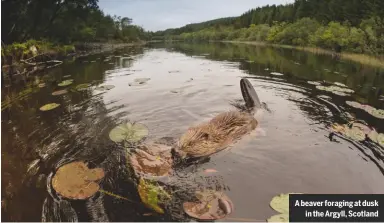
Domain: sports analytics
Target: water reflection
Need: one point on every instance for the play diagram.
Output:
(189, 83)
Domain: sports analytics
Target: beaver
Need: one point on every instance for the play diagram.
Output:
(223, 130)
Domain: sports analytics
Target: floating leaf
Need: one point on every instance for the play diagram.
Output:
(66, 76)
(152, 159)
(340, 84)
(277, 74)
(82, 87)
(76, 181)
(105, 87)
(48, 107)
(314, 83)
(210, 171)
(355, 133)
(65, 83)
(128, 132)
(212, 205)
(354, 104)
(41, 85)
(280, 203)
(152, 195)
(323, 88)
(378, 113)
(142, 79)
(380, 139)
(279, 218)
(373, 135)
(60, 92)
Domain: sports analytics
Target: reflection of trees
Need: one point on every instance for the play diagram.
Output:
(34, 143)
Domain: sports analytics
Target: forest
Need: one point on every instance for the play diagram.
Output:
(57, 25)
(354, 26)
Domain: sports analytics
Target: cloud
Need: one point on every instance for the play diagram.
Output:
(157, 15)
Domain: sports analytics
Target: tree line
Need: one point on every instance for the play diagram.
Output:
(64, 21)
(353, 25)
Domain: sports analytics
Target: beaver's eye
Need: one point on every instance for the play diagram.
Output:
(205, 136)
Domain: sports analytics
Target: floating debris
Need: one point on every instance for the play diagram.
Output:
(128, 132)
(65, 83)
(212, 205)
(76, 181)
(48, 107)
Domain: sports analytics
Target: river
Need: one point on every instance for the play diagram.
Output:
(291, 150)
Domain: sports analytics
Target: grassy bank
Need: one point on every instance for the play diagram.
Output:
(376, 61)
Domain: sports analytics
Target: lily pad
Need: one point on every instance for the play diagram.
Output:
(152, 195)
(65, 83)
(314, 83)
(142, 79)
(41, 85)
(354, 104)
(277, 74)
(105, 87)
(355, 133)
(280, 203)
(48, 107)
(152, 159)
(76, 181)
(66, 76)
(279, 218)
(340, 84)
(60, 92)
(82, 87)
(323, 88)
(373, 135)
(212, 205)
(380, 139)
(128, 132)
(378, 113)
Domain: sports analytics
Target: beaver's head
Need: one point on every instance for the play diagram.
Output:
(250, 96)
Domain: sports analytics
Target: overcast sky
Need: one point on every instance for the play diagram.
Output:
(156, 15)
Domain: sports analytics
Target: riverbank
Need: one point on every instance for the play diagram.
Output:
(359, 58)
(32, 57)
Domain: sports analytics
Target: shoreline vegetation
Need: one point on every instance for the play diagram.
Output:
(366, 59)
(352, 30)
(39, 35)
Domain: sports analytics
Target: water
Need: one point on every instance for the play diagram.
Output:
(189, 83)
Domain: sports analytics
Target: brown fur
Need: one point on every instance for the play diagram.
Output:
(217, 134)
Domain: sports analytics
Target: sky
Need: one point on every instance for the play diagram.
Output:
(155, 15)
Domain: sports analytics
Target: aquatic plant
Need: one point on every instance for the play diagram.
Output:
(82, 87)
(377, 113)
(211, 205)
(314, 83)
(65, 83)
(336, 90)
(152, 195)
(76, 181)
(277, 74)
(128, 132)
(59, 92)
(280, 203)
(49, 106)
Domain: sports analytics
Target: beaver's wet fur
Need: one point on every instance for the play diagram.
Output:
(215, 135)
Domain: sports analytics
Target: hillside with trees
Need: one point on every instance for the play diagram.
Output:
(353, 25)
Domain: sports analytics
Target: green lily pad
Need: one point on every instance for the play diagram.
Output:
(314, 83)
(354, 104)
(128, 132)
(279, 218)
(277, 74)
(41, 85)
(373, 135)
(355, 133)
(66, 76)
(322, 88)
(65, 83)
(340, 84)
(378, 113)
(48, 107)
(59, 92)
(105, 87)
(82, 87)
